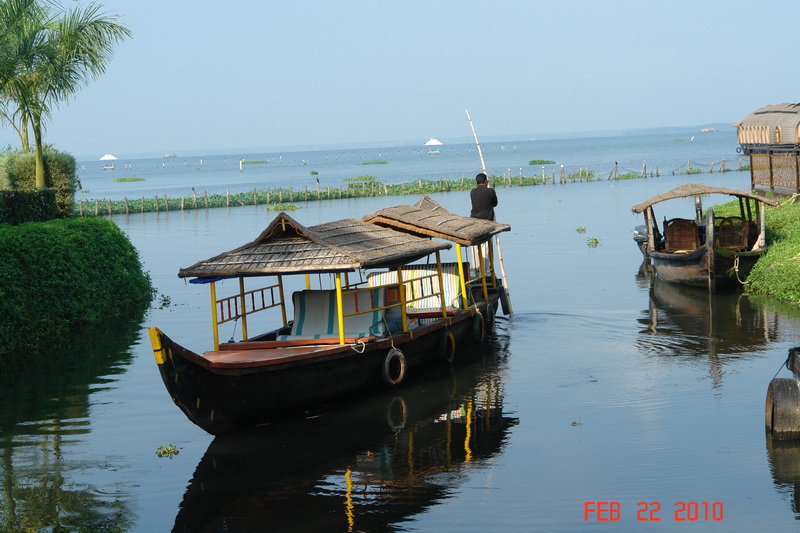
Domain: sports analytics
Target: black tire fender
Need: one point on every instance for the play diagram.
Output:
(488, 318)
(447, 347)
(782, 413)
(478, 329)
(394, 367)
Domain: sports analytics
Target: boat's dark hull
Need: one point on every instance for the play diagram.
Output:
(692, 269)
(220, 398)
(716, 270)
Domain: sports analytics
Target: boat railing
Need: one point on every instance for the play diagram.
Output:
(247, 303)
(244, 304)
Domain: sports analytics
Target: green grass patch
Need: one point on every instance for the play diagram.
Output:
(361, 178)
(627, 176)
(282, 207)
(374, 163)
(692, 170)
(256, 162)
(777, 274)
(314, 173)
(129, 178)
(541, 162)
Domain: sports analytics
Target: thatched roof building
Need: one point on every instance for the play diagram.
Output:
(773, 125)
(427, 218)
(288, 247)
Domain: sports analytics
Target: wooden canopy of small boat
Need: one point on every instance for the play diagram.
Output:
(287, 247)
(427, 218)
(696, 189)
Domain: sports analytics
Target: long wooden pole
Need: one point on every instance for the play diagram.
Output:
(497, 239)
(478, 144)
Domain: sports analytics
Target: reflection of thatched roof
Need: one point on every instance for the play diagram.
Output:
(427, 218)
(287, 247)
(695, 189)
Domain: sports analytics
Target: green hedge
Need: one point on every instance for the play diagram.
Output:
(18, 207)
(18, 172)
(63, 273)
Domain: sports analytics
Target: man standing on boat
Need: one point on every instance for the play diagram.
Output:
(484, 199)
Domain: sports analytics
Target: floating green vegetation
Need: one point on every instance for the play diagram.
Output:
(627, 176)
(692, 170)
(84, 191)
(541, 162)
(580, 229)
(166, 301)
(592, 242)
(314, 172)
(167, 451)
(374, 163)
(129, 178)
(257, 162)
(679, 140)
(282, 207)
(361, 178)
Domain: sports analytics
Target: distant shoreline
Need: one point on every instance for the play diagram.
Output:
(722, 127)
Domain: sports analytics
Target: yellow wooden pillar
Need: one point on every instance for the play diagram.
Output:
(340, 307)
(483, 273)
(214, 323)
(283, 302)
(491, 262)
(461, 277)
(243, 312)
(441, 284)
(403, 303)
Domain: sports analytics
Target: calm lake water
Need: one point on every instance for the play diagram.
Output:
(605, 386)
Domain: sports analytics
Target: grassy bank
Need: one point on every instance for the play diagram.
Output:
(777, 274)
(63, 273)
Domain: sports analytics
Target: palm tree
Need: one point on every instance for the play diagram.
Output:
(45, 59)
(21, 46)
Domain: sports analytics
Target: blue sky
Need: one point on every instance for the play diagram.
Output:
(201, 75)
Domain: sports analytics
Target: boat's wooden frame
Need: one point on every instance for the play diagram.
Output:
(265, 376)
(712, 261)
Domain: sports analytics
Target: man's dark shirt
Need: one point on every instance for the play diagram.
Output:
(483, 201)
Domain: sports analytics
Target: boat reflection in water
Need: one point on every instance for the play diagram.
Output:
(359, 466)
(683, 321)
(784, 464)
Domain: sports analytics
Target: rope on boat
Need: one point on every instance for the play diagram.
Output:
(736, 270)
(361, 343)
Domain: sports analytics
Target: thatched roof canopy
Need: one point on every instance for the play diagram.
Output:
(287, 247)
(427, 218)
(695, 189)
(772, 124)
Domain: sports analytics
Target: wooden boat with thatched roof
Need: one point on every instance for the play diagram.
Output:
(709, 252)
(379, 307)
